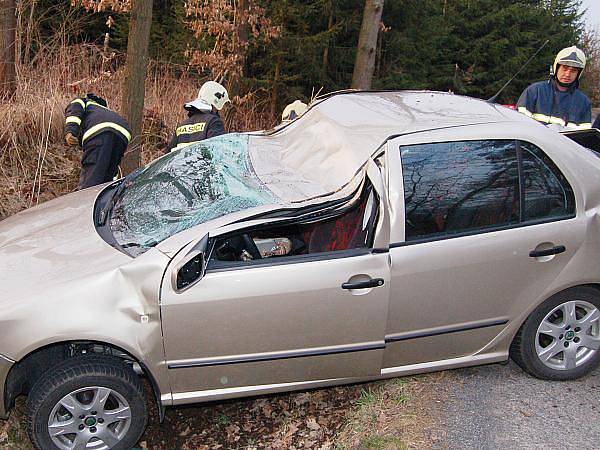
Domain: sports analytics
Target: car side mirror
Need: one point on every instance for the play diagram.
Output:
(192, 268)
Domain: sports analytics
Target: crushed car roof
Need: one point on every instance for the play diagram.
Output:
(323, 149)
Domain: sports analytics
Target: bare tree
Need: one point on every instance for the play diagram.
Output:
(8, 26)
(367, 43)
(135, 78)
(591, 75)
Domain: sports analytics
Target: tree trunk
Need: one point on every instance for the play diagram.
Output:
(367, 43)
(275, 90)
(243, 28)
(135, 78)
(325, 62)
(8, 26)
(241, 44)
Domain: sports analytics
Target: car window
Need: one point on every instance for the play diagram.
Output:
(546, 192)
(454, 187)
(353, 229)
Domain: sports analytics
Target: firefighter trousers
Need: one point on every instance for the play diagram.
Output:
(101, 157)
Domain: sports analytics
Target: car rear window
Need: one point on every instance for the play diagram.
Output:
(464, 186)
(546, 192)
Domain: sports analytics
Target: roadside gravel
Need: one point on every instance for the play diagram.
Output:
(502, 407)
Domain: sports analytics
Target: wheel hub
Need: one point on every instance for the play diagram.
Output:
(90, 421)
(569, 335)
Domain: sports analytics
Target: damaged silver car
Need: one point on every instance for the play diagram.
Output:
(379, 235)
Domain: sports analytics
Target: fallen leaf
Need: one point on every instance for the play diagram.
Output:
(312, 424)
(302, 399)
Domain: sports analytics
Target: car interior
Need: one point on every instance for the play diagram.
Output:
(349, 229)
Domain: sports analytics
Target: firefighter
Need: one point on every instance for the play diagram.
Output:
(293, 111)
(203, 120)
(559, 101)
(102, 133)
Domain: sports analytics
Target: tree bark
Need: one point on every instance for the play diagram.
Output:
(243, 28)
(136, 67)
(241, 45)
(367, 44)
(325, 63)
(275, 89)
(8, 26)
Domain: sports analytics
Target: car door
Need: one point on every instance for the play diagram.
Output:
(267, 323)
(470, 217)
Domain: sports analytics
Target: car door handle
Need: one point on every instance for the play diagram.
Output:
(375, 282)
(550, 251)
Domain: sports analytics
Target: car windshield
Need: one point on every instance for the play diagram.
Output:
(187, 187)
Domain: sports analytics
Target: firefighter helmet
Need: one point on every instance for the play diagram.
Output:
(293, 111)
(211, 94)
(570, 56)
(214, 94)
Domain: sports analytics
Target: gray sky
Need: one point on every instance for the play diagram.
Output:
(592, 17)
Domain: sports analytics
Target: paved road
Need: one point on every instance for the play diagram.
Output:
(501, 407)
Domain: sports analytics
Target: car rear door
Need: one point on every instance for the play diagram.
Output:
(289, 320)
(465, 232)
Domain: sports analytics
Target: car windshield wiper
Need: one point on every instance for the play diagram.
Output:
(115, 195)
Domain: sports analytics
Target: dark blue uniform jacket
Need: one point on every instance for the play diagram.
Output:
(198, 126)
(545, 103)
(84, 118)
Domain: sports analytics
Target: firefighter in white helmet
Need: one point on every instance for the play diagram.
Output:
(203, 120)
(293, 111)
(559, 101)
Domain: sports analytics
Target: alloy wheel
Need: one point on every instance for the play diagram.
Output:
(569, 335)
(94, 418)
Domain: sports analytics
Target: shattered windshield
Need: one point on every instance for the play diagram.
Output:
(187, 187)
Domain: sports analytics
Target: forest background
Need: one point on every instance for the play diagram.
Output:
(267, 53)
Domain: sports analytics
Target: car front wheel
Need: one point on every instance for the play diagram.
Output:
(89, 402)
(560, 340)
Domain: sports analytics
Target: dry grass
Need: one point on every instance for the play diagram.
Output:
(390, 415)
(36, 165)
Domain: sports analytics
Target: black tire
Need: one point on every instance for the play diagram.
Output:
(523, 348)
(94, 371)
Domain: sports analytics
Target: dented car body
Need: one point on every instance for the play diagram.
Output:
(381, 234)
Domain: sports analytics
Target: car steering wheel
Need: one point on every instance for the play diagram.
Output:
(251, 247)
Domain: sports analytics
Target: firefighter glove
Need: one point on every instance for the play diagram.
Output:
(71, 140)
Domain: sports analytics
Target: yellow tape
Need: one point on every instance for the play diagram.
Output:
(73, 119)
(81, 102)
(104, 125)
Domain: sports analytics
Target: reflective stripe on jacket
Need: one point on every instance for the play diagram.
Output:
(85, 119)
(543, 102)
(198, 126)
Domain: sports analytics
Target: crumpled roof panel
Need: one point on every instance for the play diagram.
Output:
(322, 150)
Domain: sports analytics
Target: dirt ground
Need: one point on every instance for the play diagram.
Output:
(380, 415)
